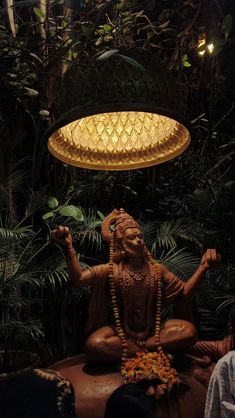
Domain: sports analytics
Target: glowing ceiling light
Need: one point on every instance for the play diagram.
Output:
(118, 116)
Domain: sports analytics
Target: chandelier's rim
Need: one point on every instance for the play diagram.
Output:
(123, 167)
(86, 110)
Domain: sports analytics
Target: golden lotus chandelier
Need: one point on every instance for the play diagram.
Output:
(115, 116)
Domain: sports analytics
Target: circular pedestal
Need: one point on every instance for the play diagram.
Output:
(93, 386)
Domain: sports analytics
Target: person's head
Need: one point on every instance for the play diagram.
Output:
(129, 401)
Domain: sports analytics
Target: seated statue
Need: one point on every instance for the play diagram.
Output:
(138, 289)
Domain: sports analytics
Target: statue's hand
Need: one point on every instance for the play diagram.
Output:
(132, 348)
(61, 235)
(211, 259)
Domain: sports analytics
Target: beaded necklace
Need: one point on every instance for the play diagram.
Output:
(125, 274)
(138, 275)
(150, 365)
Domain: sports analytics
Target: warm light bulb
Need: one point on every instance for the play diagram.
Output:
(201, 42)
(203, 47)
(210, 48)
(201, 52)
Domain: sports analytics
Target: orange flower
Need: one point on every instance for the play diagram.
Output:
(150, 366)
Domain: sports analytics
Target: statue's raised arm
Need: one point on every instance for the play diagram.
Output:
(62, 236)
(210, 259)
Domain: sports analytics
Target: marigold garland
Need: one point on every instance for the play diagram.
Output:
(145, 365)
(149, 366)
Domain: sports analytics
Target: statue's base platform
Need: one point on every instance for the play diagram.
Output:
(93, 386)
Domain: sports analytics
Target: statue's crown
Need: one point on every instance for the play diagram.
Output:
(124, 221)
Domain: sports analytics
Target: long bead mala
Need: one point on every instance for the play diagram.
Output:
(145, 365)
(120, 331)
(171, 371)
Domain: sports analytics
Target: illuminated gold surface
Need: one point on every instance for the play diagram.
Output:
(119, 141)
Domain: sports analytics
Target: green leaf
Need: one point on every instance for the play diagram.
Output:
(47, 215)
(227, 25)
(186, 64)
(164, 25)
(127, 19)
(79, 215)
(99, 32)
(185, 61)
(133, 62)
(38, 12)
(98, 42)
(87, 29)
(67, 210)
(36, 57)
(44, 114)
(139, 13)
(52, 202)
(74, 54)
(31, 92)
(100, 214)
(108, 38)
(71, 211)
(106, 55)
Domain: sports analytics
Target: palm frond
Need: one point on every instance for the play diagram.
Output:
(16, 178)
(35, 200)
(89, 234)
(7, 234)
(74, 295)
(20, 333)
(12, 301)
(167, 235)
(55, 278)
(18, 279)
(210, 326)
(180, 262)
(228, 301)
(200, 201)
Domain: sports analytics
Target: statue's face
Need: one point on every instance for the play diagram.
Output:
(133, 242)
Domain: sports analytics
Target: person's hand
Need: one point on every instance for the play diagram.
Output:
(61, 236)
(211, 259)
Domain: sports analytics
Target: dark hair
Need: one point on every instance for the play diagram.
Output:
(129, 401)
